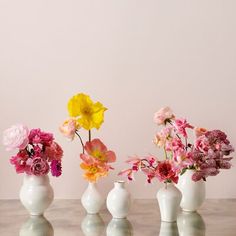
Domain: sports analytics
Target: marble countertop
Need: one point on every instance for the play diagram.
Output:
(68, 218)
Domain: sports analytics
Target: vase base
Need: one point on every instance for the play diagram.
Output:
(187, 210)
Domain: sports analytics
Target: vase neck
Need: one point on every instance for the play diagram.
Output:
(119, 184)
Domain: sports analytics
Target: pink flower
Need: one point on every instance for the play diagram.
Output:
(166, 173)
(163, 136)
(99, 151)
(69, 127)
(37, 136)
(53, 152)
(20, 162)
(175, 145)
(16, 137)
(56, 168)
(163, 115)
(39, 166)
(181, 125)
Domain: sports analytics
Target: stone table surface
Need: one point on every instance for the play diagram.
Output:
(68, 218)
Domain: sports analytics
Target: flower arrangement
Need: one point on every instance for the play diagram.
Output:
(86, 114)
(38, 153)
(207, 154)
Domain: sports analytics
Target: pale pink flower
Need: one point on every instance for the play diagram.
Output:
(181, 125)
(16, 137)
(163, 115)
(69, 127)
(162, 136)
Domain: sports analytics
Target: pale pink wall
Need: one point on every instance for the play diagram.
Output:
(135, 57)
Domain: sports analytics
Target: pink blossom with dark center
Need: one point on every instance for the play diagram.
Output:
(39, 166)
(56, 169)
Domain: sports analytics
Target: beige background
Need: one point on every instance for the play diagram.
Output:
(135, 57)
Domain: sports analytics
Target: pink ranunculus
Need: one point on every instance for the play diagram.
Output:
(37, 136)
(163, 115)
(181, 125)
(16, 137)
(20, 162)
(165, 172)
(99, 151)
(53, 152)
(39, 166)
(69, 127)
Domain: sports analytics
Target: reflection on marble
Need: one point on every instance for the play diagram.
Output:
(66, 216)
(119, 227)
(92, 225)
(36, 226)
(191, 224)
(168, 229)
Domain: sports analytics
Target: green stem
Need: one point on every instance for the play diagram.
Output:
(89, 135)
(80, 140)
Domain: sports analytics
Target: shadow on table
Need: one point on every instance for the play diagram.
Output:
(36, 226)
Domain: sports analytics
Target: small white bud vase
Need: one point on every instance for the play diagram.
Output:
(169, 198)
(193, 193)
(92, 200)
(36, 194)
(119, 201)
(92, 225)
(119, 227)
(36, 226)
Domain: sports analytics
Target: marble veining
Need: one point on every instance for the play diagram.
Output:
(68, 218)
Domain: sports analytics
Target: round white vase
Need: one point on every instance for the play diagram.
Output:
(36, 226)
(169, 198)
(119, 227)
(92, 200)
(92, 225)
(193, 193)
(191, 224)
(119, 200)
(36, 194)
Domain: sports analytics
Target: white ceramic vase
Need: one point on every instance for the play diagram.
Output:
(169, 229)
(119, 201)
(36, 194)
(191, 224)
(169, 198)
(119, 227)
(36, 226)
(193, 193)
(92, 200)
(92, 225)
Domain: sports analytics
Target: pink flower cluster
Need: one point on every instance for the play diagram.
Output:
(207, 155)
(38, 152)
(164, 171)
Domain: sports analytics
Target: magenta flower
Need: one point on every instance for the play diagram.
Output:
(181, 125)
(37, 136)
(39, 166)
(56, 169)
(20, 162)
(165, 172)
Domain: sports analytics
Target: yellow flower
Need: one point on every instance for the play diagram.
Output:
(89, 114)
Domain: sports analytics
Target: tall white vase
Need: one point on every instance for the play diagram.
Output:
(168, 229)
(36, 194)
(91, 199)
(193, 193)
(119, 201)
(36, 226)
(169, 198)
